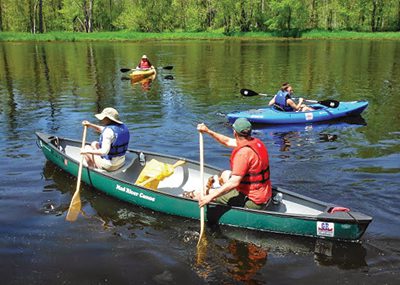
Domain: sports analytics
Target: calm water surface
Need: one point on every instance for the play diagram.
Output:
(52, 87)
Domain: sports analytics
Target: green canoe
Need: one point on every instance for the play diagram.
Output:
(294, 214)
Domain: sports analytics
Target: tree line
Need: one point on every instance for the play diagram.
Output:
(284, 17)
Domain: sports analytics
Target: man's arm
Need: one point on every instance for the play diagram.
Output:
(222, 139)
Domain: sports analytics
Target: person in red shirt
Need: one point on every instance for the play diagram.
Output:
(144, 63)
(248, 183)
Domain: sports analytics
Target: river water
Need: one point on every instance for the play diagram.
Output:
(52, 87)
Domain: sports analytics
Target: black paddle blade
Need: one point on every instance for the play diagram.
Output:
(330, 103)
(248, 92)
(169, 77)
(125, 69)
(168, 67)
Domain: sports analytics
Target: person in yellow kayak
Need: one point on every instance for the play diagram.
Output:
(109, 152)
(144, 63)
(283, 100)
(248, 182)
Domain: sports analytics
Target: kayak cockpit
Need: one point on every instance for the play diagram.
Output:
(316, 107)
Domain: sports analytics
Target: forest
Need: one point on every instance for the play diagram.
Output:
(283, 17)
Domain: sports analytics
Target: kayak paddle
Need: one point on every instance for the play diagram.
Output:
(168, 67)
(328, 103)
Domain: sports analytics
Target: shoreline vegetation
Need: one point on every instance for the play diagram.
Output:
(211, 35)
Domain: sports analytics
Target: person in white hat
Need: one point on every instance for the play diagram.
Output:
(109, 152)
(144, 63)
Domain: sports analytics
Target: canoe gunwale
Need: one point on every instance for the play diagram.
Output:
(334, 218)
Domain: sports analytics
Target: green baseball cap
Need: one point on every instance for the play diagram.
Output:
(242, 126)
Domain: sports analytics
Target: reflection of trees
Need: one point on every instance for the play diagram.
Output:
(54, 108)
(10, 106)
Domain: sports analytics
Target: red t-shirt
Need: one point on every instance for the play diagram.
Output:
(244, 160)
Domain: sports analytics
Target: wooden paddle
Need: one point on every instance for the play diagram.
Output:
(328, 103)
(201, 186)
(168, 67)
(76, 205)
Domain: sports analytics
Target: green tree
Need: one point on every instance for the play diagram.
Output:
(288, 15)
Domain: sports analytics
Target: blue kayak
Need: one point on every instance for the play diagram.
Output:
(272, 115)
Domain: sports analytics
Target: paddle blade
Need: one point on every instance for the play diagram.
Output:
(248, 92)
(74, 208)
(330, 103)
(168, 67)
(125, 69)
(201, 252)
(169, 77)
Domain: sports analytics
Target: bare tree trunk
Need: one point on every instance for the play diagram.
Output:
(314, 15)
(91, 15)
(1, 15)
(41, 16)
(373, 16)
(330, 20)
(32, 22)
(110, 26)
(398, 17)
(88, 11)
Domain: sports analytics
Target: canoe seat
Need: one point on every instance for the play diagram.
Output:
(130, 158)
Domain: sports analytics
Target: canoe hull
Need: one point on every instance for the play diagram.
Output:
(337, 226)
(322, 113)
(139, 75)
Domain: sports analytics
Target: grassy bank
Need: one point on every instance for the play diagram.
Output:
(212, 35)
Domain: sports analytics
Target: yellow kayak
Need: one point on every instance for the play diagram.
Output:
(140, 74)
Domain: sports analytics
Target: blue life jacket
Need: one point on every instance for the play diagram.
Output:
(121, 142)
(280, 101)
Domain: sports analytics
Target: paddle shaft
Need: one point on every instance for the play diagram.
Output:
(168, 67)
(75, 205)
(201, 145)
(328, 103)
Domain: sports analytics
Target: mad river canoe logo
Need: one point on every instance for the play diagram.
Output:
(134, 193)
(325, 229)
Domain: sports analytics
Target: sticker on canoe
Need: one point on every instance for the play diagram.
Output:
(134, 193)
(325, 229)
(309, 116)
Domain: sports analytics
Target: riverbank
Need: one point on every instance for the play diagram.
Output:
(212, 35)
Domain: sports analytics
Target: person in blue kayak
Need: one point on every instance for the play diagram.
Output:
(109, 152)
(144, 63)
(283, 100)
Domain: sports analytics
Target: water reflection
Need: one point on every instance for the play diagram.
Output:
(245, 260)
(344, 255)
(145, 83)
(51, 87)
(298, 135)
